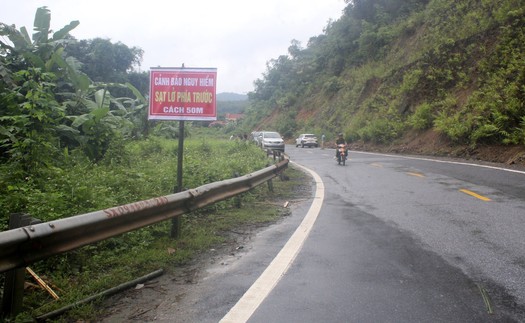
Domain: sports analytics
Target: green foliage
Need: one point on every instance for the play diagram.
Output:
(224, 107)
(32, 115)
(30, 119)
(104, 61)
(107, 62)
(410, 81)
(127, 173)
(380, 130)
(286, 126)
(484, 131)
(51, 107)
(492, 112)
(422, 118)
(241, 158)
(332, 86)
(455, 126)
(287, 100)
(374, 41)
(498, 104)
(40, 51)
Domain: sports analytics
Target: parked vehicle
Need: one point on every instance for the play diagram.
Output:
(271, 140)
(306, 140)
(342, 154)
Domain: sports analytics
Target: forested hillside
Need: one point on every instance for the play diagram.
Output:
(404, 73)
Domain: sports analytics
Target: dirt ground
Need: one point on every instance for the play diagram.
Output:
(141, 303)
(144, 302)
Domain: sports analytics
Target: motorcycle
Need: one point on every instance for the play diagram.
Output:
(342, 154)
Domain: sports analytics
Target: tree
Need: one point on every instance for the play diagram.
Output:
(104, 61)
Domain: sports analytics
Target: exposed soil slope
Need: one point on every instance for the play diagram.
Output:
(430, 143)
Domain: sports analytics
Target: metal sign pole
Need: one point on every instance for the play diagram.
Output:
(182, 94)
(175, 222)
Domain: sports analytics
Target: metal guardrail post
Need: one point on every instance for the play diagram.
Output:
(278, 157)
(270, 185)
(237, 197)
(14, 279)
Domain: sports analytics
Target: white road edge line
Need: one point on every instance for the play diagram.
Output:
(443, 161)
(261, 288)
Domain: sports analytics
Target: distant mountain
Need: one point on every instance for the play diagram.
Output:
(228, 96)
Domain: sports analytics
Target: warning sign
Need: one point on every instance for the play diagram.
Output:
(183, 94)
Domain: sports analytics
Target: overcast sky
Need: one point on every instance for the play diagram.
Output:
(237, 37)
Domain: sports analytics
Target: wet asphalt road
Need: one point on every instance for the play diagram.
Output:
(399, 240)
(396, 240)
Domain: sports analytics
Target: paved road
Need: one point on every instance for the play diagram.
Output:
(395, 239)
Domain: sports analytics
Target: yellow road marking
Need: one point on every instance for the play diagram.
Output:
(416, 174)
(483, 198)
(376, 165)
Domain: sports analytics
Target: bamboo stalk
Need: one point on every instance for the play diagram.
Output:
(42, 283)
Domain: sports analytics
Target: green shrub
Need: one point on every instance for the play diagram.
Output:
(332, 86)
(410, 80)
(455, 126)
(422, 118)
(486, 130)
(380, 130)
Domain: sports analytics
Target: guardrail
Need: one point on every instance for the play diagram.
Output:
(23, 246)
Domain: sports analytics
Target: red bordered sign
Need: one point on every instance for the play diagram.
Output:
(183, 94)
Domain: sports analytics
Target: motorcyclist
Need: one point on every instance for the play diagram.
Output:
(339, 141)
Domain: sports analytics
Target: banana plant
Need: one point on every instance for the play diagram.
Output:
(37, 50)
(107, 118)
